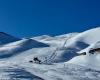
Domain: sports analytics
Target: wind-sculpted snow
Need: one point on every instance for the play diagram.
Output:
(19, 46)
(67, 35)
(90, 59)
(55, 40)
(58, 56)
(60, 71)
(64, 71)
(11, 73)
(70, 52)
(43, 37)
(88, 37)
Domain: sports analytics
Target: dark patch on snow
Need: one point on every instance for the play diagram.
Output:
(81, 45)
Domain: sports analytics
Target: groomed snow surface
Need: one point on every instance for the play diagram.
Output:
(60, 57)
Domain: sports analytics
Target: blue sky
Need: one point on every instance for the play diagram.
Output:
(38, 17)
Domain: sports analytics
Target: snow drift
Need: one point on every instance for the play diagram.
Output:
(19, 46)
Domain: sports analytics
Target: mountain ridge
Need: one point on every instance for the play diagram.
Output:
(58, 56)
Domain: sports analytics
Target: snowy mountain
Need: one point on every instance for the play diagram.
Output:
(56, 40)
(87, 37)
(90, 59)
(57, 54)
(19, 46)
(6, 38)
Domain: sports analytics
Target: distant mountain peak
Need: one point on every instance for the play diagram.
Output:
(3, 33)
(6, 38)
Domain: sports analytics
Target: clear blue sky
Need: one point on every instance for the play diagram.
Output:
(37, 17)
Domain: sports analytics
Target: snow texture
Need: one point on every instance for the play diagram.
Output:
(58, 56)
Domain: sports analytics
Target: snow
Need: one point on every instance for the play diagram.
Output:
(67, 35)
(19, 46)
(56, 40)
(58, 55)
(43, 37)
(92, 46)
(90, 60)
(88, 37)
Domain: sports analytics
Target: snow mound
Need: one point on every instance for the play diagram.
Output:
(91, 60)
(88, 37)
(67, 35)
(82, 41)
(19, 46)
(43, 37)
(55, 40)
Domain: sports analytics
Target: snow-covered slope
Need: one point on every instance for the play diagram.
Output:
(82, 41)
(6, 38)
(73, 42)
(43, 37)
(55, 40)
(67, 35)
(59, 60)
(91, 60)
(88, 37)
(19, 46)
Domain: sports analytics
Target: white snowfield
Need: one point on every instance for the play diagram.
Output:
(58, 56)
